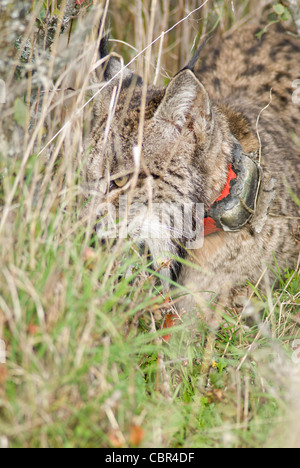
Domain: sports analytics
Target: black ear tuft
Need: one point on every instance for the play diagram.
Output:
(104, 52)
(103, 47)
(112, 66)
(192, 63)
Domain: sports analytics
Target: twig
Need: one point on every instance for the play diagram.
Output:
(257, 123)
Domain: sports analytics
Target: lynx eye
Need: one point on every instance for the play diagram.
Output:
(122, 181)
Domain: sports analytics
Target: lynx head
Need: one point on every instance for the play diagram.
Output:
(162, 147)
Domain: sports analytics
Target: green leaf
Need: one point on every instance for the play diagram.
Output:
(20, 112)
(286, 15)
(42, 14)
(279, 9)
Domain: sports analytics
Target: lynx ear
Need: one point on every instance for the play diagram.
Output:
(113, 66)
(115, 74)
(185, 98)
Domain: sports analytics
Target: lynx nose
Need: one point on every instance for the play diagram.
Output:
(101, 214)
(98, 187)
(107, 225)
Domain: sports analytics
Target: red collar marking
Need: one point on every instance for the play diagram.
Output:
(226, 190)
(210, 226)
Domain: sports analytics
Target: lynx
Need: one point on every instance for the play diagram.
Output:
(224, 134)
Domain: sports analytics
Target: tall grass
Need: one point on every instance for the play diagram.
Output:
(83, 362)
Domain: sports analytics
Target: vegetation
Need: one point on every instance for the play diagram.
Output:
(83, 361)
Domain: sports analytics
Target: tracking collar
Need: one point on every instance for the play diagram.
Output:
(236, 205)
